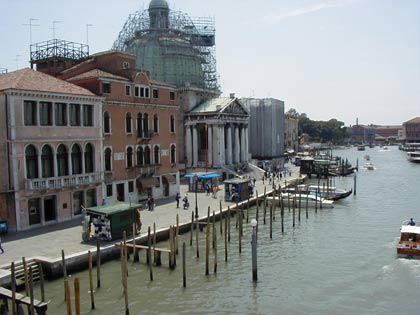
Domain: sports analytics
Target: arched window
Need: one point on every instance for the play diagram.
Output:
(62, 160)
(76, 159)
(108, 157)
(156, 154)
(128, 126)
(172, 124)
(89, 158)
(47, 162)
(173, 154)
(129, 157)
(140, 155)
(145, 124)
(147, 156)
(31, 158)
(156, 123)
(107, 122)
(139, 125)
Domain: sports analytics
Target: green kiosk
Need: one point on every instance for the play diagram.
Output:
(108, 222)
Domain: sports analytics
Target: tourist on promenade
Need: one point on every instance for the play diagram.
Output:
(150, 203)
(186, 202)
(214, 190)
(208, 189)
(1, 248)
(177, 198)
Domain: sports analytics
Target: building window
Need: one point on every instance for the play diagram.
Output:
(29, 113)
(90, 198)
(156, 155)
(126, 65)
(129, 157)
(107, 122)
(145, 125)
(146, 92)
(60, 114)
(172, 124)
(76, 159)
(109, 191)
(139, 126)
(88, 115)
(106, 88)
(31, 162)
(156, 123)
(140, 155)
(47, 162)
(142, 92)
(155, 93)
(173, 154)
(127, 90)
(89, 158)
(78, 201)
(108, 157)
(147, 156)
(136, 91)
(128, 123)
(172, 96)
(45, 113)
(74, 115)
(130, 186)
(62, 160)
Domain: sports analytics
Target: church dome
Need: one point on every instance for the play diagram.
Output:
(158, 4)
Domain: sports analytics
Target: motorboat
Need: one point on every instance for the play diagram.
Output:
(385, 148)
(413, 156)
(369, 166)
(361, 147)
(366, 157)
(311, 200)
(409, 243)
(325, 192)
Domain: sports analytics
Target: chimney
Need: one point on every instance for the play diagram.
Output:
(232, 95)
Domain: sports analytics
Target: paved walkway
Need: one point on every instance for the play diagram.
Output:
(48, 241)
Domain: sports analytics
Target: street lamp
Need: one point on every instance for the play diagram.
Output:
(254, 224)
(196, 188)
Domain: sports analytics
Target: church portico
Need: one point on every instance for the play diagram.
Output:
(216, 134)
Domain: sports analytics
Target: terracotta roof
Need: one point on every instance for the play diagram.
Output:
(31, 80)
(96, 73)
(413, 121)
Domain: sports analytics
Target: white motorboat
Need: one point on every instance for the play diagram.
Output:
(413, 156)
(329, 193)
(311, 200)
(369, 166)
(409, 243)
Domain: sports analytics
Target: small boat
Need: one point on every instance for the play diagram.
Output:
(369, 166)
(367, 157)
(413, 157)
(361, 147)
(385, 148)
(304, 198)
(409, 243)
(329, 193)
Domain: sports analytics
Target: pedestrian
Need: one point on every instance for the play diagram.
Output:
(208, 188)
(177, 198)
(214, 190)
(1, 248)
(186, 202)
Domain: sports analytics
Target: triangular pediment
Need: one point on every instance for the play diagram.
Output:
(235, 107)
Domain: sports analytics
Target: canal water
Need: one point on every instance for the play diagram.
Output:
(338, 261)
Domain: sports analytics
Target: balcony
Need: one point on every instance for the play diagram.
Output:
(37, 184)
(146, 170)
(145, 135)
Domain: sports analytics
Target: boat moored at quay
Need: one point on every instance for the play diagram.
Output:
(413, 157)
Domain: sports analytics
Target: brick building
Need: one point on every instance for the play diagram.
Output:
(411, 131)
(50, 148)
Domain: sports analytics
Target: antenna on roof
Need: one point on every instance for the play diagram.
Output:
(53, 28)
(87, 33)
(17, 61)
(30, 28)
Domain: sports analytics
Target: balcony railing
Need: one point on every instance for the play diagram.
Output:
(145, 134)
(146, 169)
(63, 182)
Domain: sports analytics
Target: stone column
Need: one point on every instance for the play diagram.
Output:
(237, 145)
(215, 138)
(221, 145)
(242, 156)
(195, 146)
(246, 144)
(188, 144)
(229, 145)
(210, 145)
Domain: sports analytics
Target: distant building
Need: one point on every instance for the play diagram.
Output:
(266, 128)
(362, 134)
(411, 131)
(50, 149)
(388, 134)
(291, 129)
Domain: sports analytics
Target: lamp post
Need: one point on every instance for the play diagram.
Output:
(254, 224)
(196, 188)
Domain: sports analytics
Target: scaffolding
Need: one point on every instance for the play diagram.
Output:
(198, 32)
(3, 70)
(57, 48)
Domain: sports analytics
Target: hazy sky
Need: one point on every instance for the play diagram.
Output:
(327, 58)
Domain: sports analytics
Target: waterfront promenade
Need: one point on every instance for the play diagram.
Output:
(47, 241)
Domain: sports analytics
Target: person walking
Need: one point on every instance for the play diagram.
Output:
(177, 198)
(1, 248)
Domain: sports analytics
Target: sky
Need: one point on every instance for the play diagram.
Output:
(342, 59)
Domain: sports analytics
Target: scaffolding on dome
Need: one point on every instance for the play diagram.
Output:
(200, 32)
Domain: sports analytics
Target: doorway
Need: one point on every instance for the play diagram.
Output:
(50, 211)
(120, 192)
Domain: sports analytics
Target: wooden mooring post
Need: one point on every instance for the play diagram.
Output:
(213, 229)
(31, 292)
(77, 295)
(207, 248)
(92, 298)
(149, 253)
(135, 251)
(264, 205)
(98, 264)
(13, 287)
(184, 267)
(226, 241)
(67, 296)
(192, 228)
(221, 217)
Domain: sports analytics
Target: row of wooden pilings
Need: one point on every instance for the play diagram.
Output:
(211, 236)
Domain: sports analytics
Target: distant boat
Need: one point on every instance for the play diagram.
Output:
(304, 198)
(409, 244)
(367, 157)
(385, 148)
(329, 193)
(413, 157)
(361, 147)
(369, 166)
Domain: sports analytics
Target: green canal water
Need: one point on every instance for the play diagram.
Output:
(338, 261)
